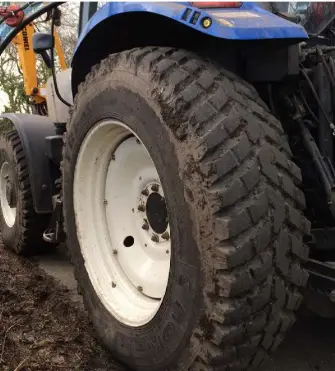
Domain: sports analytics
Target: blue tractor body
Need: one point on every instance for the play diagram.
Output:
(248, 22)
(248, 29)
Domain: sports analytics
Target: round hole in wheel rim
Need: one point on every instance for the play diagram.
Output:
(128, 241)
(114, 166)
(8, 212)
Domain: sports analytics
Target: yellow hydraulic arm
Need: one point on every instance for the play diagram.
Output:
(27, 60)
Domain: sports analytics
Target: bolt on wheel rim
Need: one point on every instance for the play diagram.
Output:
(7, 207)
(122, 222)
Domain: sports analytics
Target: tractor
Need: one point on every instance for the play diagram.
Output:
(187, 160)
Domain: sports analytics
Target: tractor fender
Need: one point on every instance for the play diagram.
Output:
(248, 22)
(33, 130)
(119, 26)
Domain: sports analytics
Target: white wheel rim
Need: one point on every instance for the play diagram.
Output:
(127, 256)
(8, 212)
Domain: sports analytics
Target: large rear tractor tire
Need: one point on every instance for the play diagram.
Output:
(183, 213)
(21, 228)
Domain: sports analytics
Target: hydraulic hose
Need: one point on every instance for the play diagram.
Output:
(52, 56)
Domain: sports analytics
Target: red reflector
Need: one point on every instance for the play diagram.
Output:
(216, 4)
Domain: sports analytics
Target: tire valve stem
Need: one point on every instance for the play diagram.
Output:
(165, 236)
(140, 288)
(113, 284)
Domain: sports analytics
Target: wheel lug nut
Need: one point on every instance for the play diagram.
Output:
(115, 252)
(155, 238)
(166, 236)
(155, 188)
(140, 288)
(167, 251)
(145, 192)
(113, 284)
(145, 227)
(105, 202)
(141, 208)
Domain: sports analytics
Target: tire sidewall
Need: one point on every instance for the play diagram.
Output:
(160, 342)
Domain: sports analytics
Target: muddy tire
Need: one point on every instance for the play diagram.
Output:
(21, 228)
(234, 206)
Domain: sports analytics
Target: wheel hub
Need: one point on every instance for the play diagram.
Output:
(157, 213)
(154, 213)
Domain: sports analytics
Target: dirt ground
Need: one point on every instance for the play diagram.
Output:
(40, 327)
(43, 326)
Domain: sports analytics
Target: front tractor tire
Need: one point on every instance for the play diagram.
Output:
(205, 274)
(21, 228)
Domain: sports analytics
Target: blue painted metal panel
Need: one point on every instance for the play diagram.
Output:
(249, 22)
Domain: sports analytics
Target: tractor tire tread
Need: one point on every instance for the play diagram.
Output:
(32, 225)
(251, 186)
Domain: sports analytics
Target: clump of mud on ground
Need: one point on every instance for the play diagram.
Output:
(40, 327)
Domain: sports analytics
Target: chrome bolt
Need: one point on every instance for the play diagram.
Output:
(155, 188)
(140, 288)
(145, 227)
(166, 236)
(145, 192)
(155, 238)
(141, 208)
(113, 284)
